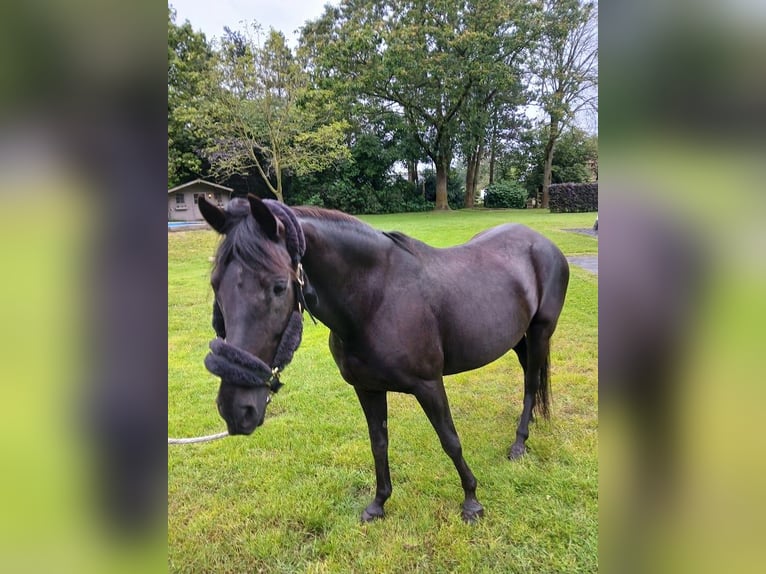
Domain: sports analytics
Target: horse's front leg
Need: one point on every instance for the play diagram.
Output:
(433, 398)
(375, 409)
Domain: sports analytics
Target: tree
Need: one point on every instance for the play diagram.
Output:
(422, 59)
(259, 114)
(497, 89)
(189, 61)
(566, 70)
(575, 161)
(486, 121)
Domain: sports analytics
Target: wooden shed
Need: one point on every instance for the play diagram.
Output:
(182, 199)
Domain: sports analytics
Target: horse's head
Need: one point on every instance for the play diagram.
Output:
(254, 280)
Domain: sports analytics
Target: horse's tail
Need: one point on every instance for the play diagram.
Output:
(543, 391)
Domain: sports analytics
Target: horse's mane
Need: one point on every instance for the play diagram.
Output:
(345, 220)
(403, 241)
(326, 215)
(243, 240)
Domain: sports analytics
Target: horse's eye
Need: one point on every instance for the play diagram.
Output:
(280, 288)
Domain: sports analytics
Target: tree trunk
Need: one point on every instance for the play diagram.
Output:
(547, 172)
(548, 166)
(442, 171)
(412, 172)
(470, 181)
(278, 190)
(477, 170)
(492, 158)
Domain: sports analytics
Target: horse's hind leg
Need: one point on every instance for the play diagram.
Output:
(537, 343)
(375, 407)
(521, 353)
(433, 398)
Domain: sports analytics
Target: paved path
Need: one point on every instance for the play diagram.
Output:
(584, 231)
(587, 262)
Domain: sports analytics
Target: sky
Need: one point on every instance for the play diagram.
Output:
(210, 16)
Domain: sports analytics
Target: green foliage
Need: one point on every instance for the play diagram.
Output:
(363, 184)
(394, 195)
(576, 153)
(431, 61)
(288, 498)
(189, 61)
(261, 115)
(455, 187)
(566, 58)
(506, 194)
(344, 195)
(566, 70)
(371, 85)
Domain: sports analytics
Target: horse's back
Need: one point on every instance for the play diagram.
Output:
(512, 235)
(549, 266)
(520, 245)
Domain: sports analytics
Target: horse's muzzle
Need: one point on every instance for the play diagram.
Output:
(245, 419)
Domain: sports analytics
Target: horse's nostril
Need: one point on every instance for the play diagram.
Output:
(248, 414)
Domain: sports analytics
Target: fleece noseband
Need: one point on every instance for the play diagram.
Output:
(238, 367)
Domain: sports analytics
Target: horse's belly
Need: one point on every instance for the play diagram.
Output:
(366, 369)
(480, 339)
(476, 356)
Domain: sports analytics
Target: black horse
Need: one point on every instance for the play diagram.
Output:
(401, 315)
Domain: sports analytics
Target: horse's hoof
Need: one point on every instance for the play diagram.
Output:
(370, 514)
(517, 451)
(472, 512)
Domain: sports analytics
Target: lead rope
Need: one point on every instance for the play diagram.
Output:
(207, 438)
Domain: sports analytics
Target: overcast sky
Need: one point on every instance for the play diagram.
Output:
(210, 16)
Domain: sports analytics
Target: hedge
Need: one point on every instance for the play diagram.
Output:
(573, 197)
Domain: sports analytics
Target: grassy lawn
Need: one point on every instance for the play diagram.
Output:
(288, 498)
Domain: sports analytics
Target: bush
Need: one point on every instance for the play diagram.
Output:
(508, 194)
(395, 195)
(346, 196)
(401, 196)
(573, 197)
(314, 200)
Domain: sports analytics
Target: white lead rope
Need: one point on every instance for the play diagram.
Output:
(197, 438)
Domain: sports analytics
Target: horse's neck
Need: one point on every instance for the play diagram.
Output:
(340, 264)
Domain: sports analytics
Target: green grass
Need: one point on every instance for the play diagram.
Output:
(288, 498)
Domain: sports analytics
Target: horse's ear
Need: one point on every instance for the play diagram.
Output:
(267, 220)
(215, 216)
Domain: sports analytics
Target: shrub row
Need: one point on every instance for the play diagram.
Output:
(573, 197)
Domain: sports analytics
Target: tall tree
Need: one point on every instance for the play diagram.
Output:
(576, 158)
(422, 58)
(566, 70)
(189, 61)
(258, 112)
(492, 116)
(498, 89)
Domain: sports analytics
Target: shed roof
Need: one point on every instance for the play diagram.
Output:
(200, 182)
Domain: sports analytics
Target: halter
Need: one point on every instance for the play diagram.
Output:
(238, 367)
